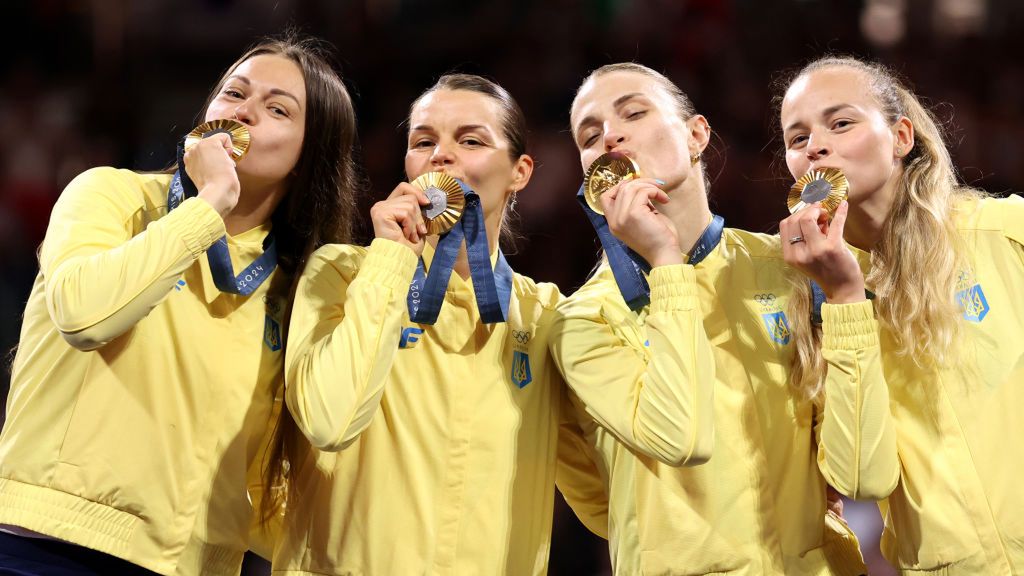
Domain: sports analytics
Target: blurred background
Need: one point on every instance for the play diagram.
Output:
(111, 82)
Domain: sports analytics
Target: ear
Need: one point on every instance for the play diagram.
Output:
(522, 169)
(700, 133)
(903, 137)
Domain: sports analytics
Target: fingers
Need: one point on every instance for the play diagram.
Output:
(838, 225)
(631, 198)
(224, 139)
(401, 215)
(406, 189)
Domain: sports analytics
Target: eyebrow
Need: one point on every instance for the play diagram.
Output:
(618, 102)
(825, 113)
(276, 91)
(461, 128)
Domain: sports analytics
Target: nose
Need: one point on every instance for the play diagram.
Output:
(243, 113)
(818, 147)
(441, 156)
(613, 138)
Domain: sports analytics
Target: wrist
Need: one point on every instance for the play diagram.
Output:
(846, 294)
(218, 201)
(667, 257)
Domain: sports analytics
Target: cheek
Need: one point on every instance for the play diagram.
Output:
(414, 165)
(587, 158)
(797, 163)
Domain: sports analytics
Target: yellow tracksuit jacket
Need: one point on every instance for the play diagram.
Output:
(706, 363)
(943, 441)
(140, 395)
(435, 446)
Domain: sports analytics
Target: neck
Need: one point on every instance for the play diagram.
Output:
(254, 208)
(688, 210)
(866, 219)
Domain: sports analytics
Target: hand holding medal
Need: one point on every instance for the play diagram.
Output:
(812, 237)
(455, 213)
(628, 267)
(202, 160)
(209, 168)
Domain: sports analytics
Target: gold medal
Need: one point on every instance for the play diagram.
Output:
(826, 185)
(236, 130)
(446, 201)
(607, 171)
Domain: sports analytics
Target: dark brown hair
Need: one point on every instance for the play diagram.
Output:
(320, 205)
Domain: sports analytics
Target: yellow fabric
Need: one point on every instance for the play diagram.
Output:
(956, 508)
(140, 446)
(758, 505)
(664, 376)
(442, 463)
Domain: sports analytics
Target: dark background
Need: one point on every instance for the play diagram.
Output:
(112, 82)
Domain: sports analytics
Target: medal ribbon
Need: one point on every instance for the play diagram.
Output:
(629, 268)
(493, 287)
(223, 272)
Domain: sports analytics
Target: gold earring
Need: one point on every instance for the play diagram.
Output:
(694, 159)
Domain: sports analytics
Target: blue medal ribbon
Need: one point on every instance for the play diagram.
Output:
(629, 268)
(818, 298)
(493, 287)
(223, 272)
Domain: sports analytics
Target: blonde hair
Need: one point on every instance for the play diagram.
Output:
(917, 260)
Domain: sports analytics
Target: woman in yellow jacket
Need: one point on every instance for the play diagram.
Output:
(703, 355)
(418, 369)
(946, 266)
(146, 375)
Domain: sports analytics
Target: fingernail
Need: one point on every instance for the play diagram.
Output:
(659, 181)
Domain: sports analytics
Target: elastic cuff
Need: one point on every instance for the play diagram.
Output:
(388, 263)
(198, 223)
(849, 326)
(673, 288)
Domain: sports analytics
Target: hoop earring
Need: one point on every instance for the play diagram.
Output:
(512, 202)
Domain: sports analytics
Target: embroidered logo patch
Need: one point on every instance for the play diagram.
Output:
(777, 326)
(272, 333)
(521, 374)
(179, 285)
(973, 303)
(410, 336)
(773, 317)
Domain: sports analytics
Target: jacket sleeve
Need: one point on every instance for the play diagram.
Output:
(343, 337)
(857, 452)
(1012, 210)
(656, 397)
(577, 474)
(101, 278)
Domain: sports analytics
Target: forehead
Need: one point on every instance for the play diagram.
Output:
(456, 107)
(274, 71)
(820, 89)
(604, 90)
